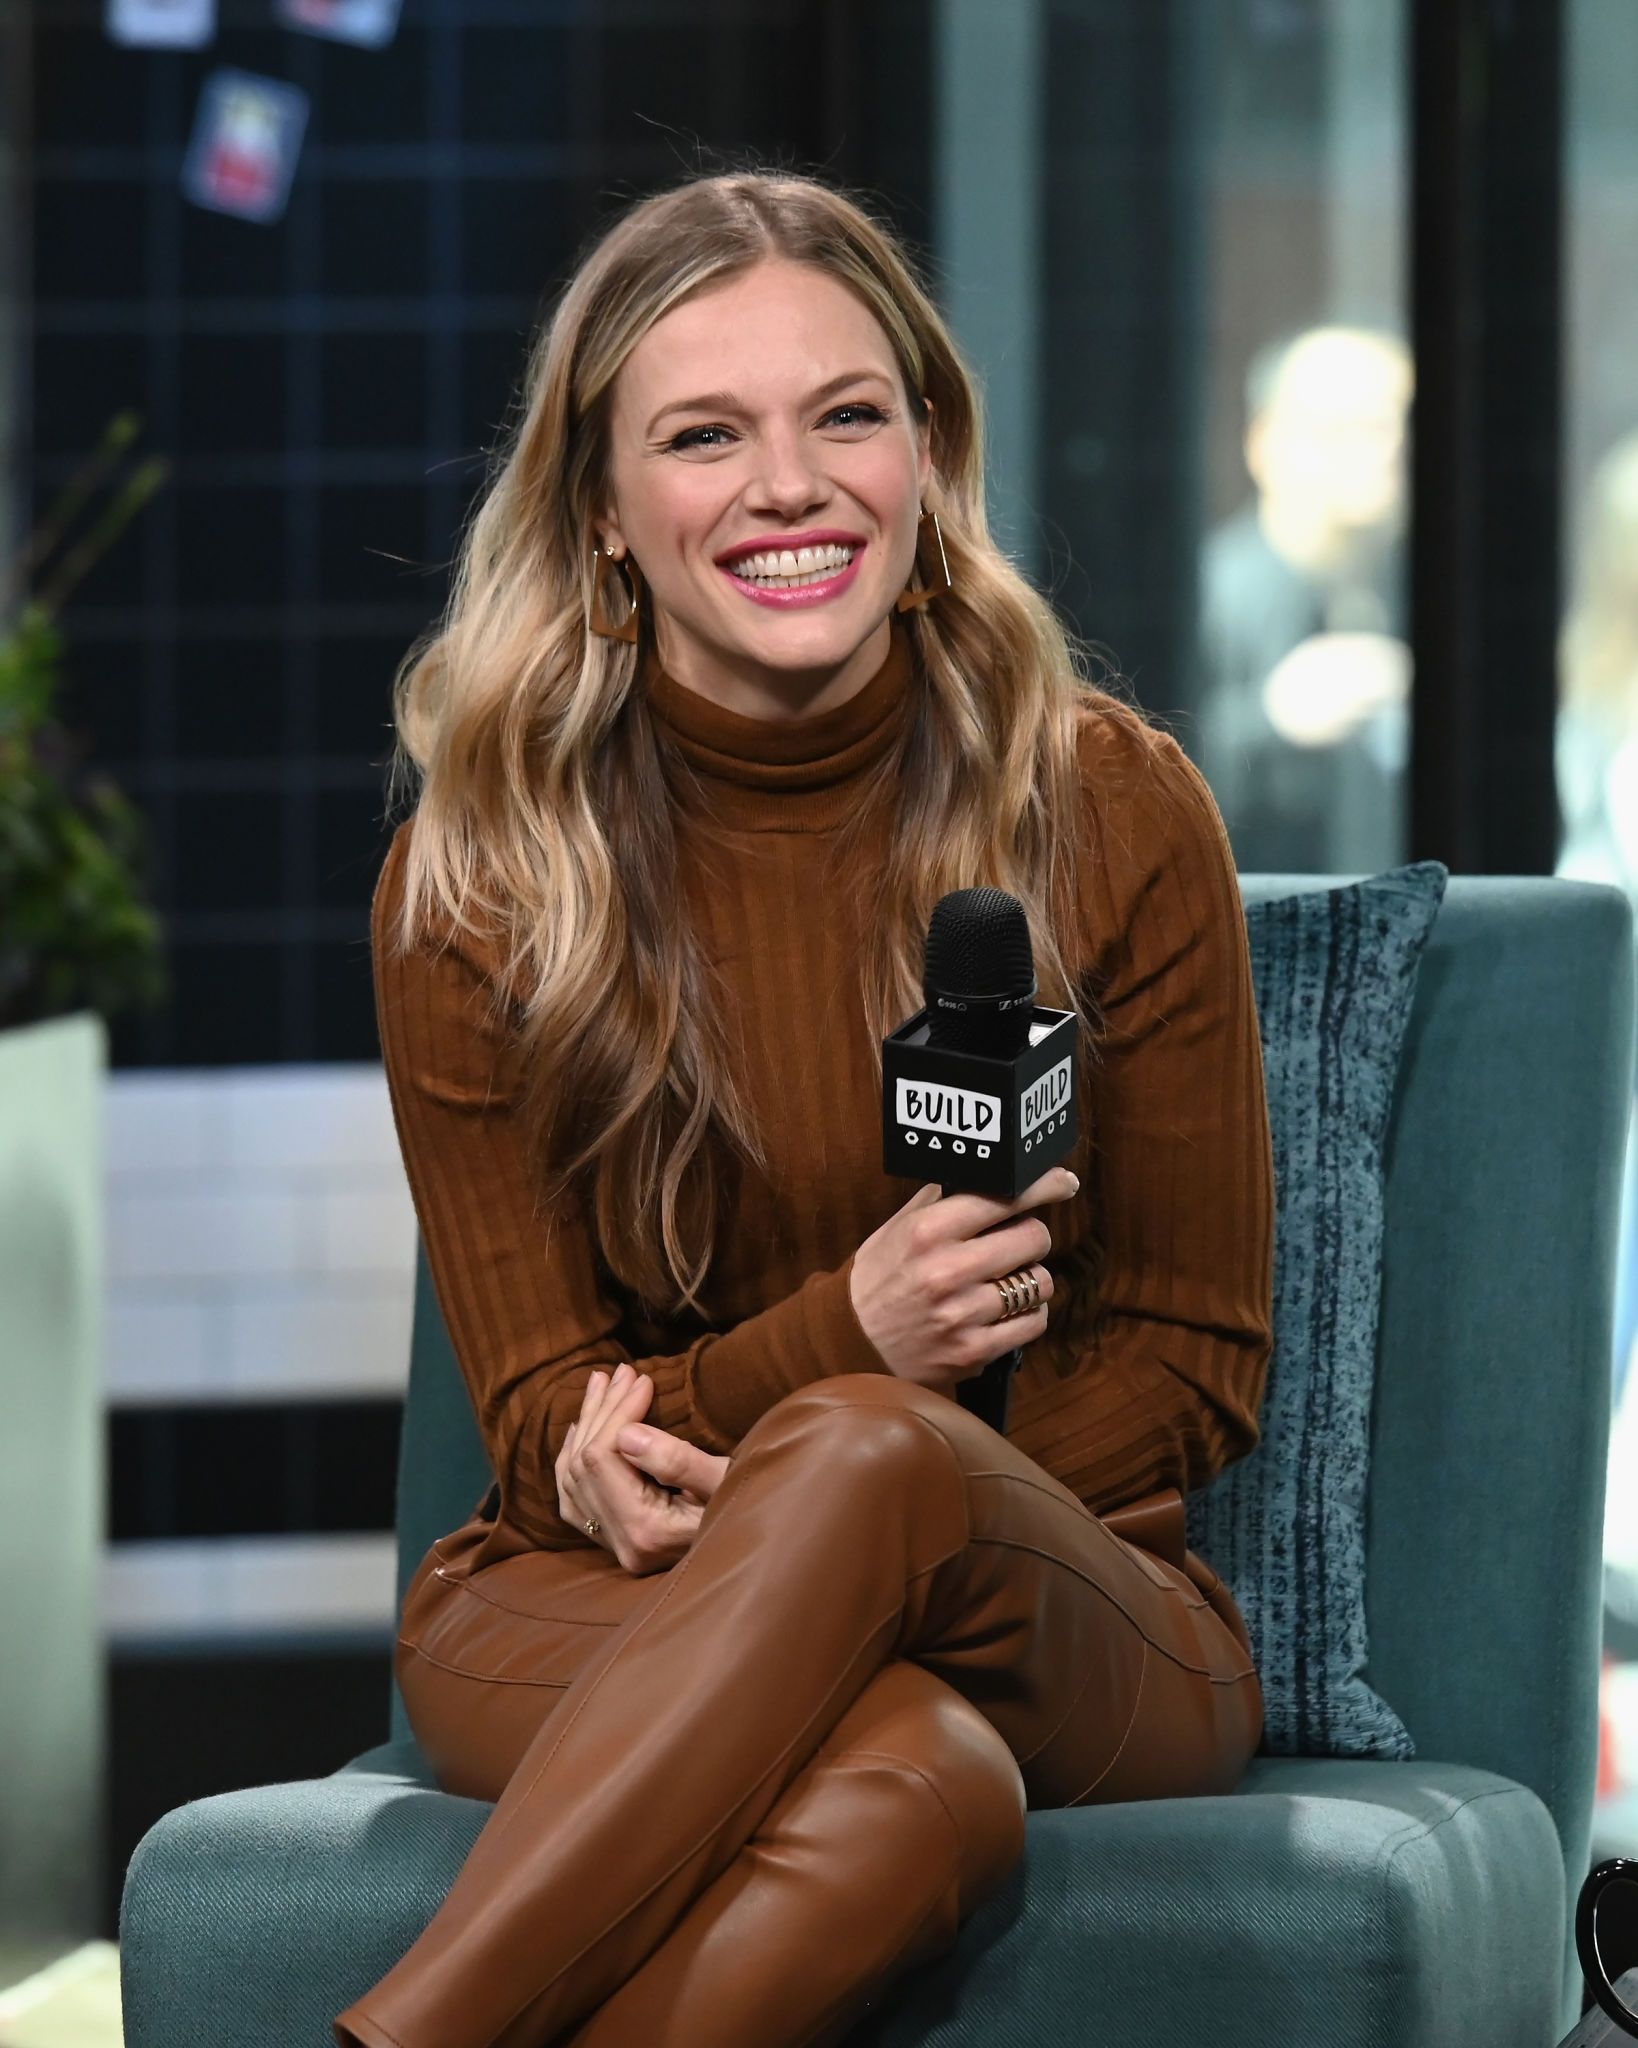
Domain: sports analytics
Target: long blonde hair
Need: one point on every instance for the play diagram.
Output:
(543, 824)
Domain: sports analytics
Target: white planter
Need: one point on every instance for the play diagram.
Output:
(52, 1086)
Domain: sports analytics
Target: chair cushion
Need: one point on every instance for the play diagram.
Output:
(254, 1917)
(1335, 972)
(1354, 1903)
(1361, 1904)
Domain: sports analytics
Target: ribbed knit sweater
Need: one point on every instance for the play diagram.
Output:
(1174, 1155)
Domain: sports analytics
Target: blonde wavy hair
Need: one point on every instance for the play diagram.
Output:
(543, 824)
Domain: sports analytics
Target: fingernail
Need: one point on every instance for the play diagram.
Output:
(1074, 1183)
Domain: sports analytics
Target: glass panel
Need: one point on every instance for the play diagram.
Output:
(1303, 666)
(1597, 735)
(1203, 321)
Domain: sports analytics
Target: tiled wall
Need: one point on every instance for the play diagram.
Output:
(261, 1238)
(260, 1272)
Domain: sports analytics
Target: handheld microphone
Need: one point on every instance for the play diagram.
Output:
(980, 1086)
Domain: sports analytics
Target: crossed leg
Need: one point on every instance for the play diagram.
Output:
(818, 1720)
(912, 1778)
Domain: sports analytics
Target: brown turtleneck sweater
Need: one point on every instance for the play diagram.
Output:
(1174, 1155)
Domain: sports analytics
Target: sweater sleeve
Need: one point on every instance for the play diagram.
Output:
(1166, 1391)
(522, 1295)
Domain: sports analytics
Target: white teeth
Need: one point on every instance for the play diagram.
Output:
(801, 565)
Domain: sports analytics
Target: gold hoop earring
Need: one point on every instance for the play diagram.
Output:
(598, 617)
(934, 565)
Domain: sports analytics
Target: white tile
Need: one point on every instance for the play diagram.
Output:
(367, 1229)
(210, 1586)
(323, 1338)
(154, 1236)
(153, 1589)
(305, 1581)
(309, 1117)
(162, 1121)
(161, 1345)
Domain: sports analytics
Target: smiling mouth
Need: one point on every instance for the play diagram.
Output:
(791, 569)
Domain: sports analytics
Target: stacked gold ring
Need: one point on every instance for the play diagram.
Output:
(1020, 1293)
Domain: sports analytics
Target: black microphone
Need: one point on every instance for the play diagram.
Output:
(980, 1086)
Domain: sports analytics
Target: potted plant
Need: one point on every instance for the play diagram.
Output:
(77, 943)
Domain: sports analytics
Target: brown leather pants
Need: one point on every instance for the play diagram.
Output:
(736, 1798)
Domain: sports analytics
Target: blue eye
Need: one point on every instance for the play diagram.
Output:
(690, 437)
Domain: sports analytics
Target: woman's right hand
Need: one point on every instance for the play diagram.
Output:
(923, 1283)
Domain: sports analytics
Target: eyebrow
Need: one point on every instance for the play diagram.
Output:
(725, 401)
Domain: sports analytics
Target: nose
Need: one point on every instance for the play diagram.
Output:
(788, 480)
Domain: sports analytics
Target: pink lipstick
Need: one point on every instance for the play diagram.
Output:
(802, 594)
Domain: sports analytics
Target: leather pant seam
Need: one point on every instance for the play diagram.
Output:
(1053, 1733)
(903, 1763)
(1194, 1604)
(385, 2032)
(522, 1613)
(1086, 1578)
(479, 1677)
(1126, 1733)
(561, 1684)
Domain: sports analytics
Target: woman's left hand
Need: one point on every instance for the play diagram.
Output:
(647, 1526)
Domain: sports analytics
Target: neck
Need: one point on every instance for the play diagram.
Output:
(753, 690)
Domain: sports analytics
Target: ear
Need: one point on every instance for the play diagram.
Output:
(924, 433)
(606, 528)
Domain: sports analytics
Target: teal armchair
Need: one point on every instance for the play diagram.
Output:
(1365, 1905)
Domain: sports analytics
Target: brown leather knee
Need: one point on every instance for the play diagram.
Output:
(912, 1716)
(880, 1434)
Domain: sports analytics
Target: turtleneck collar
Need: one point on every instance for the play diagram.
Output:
(784, 775)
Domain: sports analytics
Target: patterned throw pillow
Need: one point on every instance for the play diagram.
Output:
(1335, 974)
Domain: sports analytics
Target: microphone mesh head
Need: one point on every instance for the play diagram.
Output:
(978, 944)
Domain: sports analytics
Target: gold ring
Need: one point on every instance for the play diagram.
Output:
(1020, 1294)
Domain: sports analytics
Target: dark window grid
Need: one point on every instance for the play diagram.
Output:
(163, 267)
(252, 14)
(301, 470)
(613, 18)
(158, 318)
(171, 622)
(445, 266)
(304, 428)
(289, 925)
(297, 313)
(439, 162)
(310, 772)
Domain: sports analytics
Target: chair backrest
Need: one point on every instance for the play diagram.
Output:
(442, 1465)
(1504, 1162)
(1491, 1424)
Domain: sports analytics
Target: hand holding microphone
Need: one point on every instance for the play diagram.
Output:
(923, 1283)
(979, 1087)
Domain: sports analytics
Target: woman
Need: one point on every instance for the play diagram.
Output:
(762, 1644)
